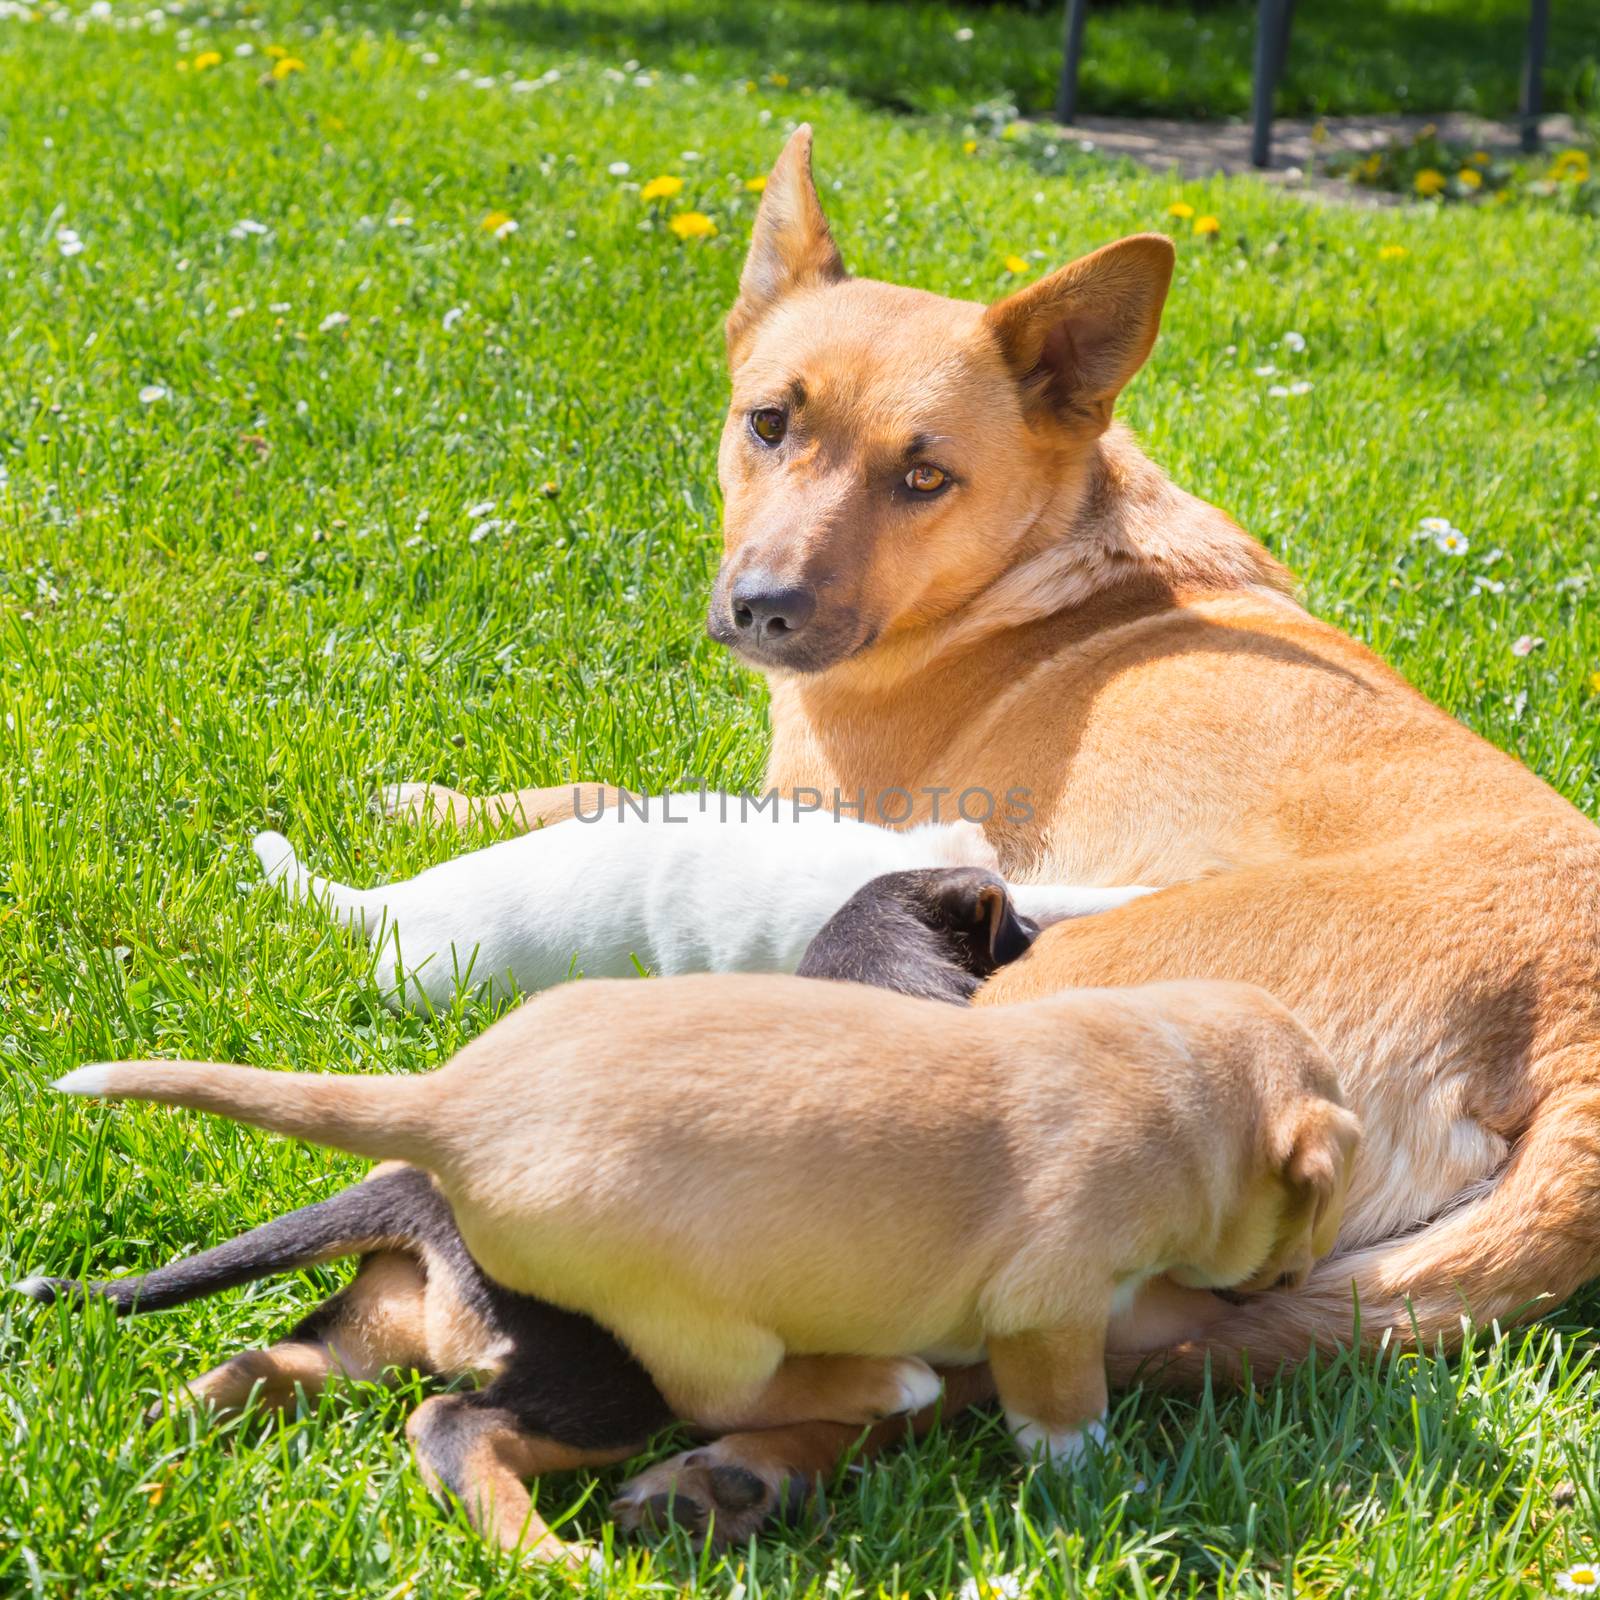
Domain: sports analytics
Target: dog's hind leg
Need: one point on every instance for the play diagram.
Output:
(525, 808)
(481, 1448)
(379, 1322)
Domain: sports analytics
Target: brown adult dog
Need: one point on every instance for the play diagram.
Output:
(997, 1181)
(958, 573)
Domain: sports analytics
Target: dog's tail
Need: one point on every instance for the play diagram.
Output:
(381, 1117)
(365, 907)
(390, 1210)
(1510, 1251)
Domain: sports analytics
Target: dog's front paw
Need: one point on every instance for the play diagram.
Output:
(422, 802)
(711, 1495)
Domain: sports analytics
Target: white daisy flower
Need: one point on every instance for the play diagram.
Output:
(1483, 585)
(334, 319)
(1452, 542)
(453, 316)
(485, 529)
(1434, 526)
(1266, 370)
(963, 35)
(1294, 341)
(1277, 392)
(68, 242)
(1003, 1586)
(1300, 386)
(619, 169)
(1526, 645)
(151, 393)
(247, 227)
(506, 228)
(1581, 1579)
(400, 222)
(482, 509)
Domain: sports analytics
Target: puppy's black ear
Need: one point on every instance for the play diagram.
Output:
(1010, 933)
(976, 907)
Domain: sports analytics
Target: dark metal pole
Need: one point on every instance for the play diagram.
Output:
(1533, 73)
(1067, 89)
(1272, 45)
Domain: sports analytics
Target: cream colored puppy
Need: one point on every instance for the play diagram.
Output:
(787, 1197)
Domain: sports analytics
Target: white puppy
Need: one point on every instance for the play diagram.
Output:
(699, 884)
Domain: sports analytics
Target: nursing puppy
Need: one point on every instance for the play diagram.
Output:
(998, 1181)
(685, 883)
(558, 1391)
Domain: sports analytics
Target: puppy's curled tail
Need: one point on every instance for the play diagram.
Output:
(383, 1118)
(1507, 1252)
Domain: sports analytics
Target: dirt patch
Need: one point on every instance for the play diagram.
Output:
(1301, 146)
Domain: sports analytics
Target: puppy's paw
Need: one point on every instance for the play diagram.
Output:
(913, 1386)
(1060, 1447)
(713, 1494)
(422, 802)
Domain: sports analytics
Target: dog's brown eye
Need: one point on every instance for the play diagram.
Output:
(769, 425)
(925, 479)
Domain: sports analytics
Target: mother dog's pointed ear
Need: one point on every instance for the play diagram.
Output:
(790, 246)
(1074, 339)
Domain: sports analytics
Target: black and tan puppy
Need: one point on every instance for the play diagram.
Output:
(558, 1391)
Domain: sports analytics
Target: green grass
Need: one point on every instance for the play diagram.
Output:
(254, 598)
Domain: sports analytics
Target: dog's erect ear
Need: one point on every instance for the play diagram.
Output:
(1074, 339)
(790, 246)
(1317, 1149)
(976, 904)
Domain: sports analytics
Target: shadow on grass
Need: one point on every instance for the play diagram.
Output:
(1140, 58)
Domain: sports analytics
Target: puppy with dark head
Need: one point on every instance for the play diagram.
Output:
(934, 933)
(558, 1391)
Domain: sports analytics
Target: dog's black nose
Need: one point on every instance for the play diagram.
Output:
(767, 613)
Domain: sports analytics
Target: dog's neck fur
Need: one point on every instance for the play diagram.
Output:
(1120, 524)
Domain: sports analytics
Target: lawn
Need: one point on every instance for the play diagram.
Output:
(311, 480)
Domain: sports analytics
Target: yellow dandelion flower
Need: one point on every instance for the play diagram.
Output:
(1392, 252)
(778, 80)
(284, 66)
(276, 51)
(1470, 178)
(1180, 209)
(1479, 158)
(756, 185)
(207, 58)
(1015, 264)
(1429, 182)
(662, 188)
(1571, 165)
(183, 66)
(496, 222)
(1207, 225)
(970, 147)
(1594, 683)
(693, 225)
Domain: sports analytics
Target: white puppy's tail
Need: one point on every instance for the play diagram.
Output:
(382, 1118)
(282, 866)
